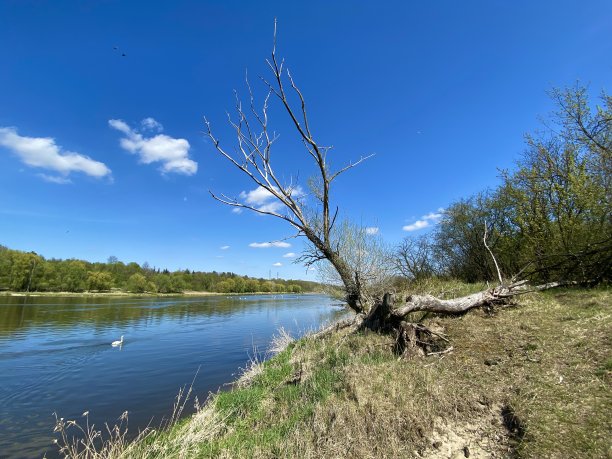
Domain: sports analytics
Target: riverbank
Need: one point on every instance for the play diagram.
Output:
(531, 380)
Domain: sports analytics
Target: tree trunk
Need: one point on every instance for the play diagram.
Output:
(351, 285)
(349, 279)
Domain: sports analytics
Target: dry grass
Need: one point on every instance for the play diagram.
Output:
(281, 341)
(255, 367)
(90, 442)
(252, 370)
(173, 438)
(531, 380)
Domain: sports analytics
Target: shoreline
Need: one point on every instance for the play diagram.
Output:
(339, 382)
(345, 380)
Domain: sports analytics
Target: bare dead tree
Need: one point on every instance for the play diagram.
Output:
(253, 158)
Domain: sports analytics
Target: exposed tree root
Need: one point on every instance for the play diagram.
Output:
(352, 323)
(415, 339)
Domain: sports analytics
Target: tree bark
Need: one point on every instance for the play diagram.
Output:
(497, 295)
(380, 316)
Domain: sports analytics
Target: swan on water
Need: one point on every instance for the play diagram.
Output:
(118, 343)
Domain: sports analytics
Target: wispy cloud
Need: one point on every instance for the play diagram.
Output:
(224, 247)
(425, 221)
(433, 215)
(372, 230)
(55, 179)
(267, 245)
(289, 255)
(172, 153)
(151, 124)
(277, 264)
(263, 200)
(44, 153)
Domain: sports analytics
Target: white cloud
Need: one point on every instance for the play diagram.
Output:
(173, 154)
(236, 210)
(273, 206)
(426, 220)
(419, 224)
(372, 230)
(256, 197)
(44, 153)
(55, 179)
(151, 124)
(263, 200)
(277, 264)
(289, 255)
(224, 247)
(267, 245)
(120, 126)
(432, 216)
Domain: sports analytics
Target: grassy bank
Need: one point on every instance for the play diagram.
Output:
(532, 380)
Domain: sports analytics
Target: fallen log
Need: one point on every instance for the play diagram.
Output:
(415, 339)
(496, 295)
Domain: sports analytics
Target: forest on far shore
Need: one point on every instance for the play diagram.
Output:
(29, 272)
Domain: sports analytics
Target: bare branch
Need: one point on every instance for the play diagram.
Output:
(302, 101)
(484, 240)
(235, 203)
(350, 166)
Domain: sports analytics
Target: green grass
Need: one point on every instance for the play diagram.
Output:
(261, 417)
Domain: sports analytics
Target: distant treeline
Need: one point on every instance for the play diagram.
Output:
(28, 271)
(549, 220)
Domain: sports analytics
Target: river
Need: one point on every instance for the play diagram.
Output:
(56, 355)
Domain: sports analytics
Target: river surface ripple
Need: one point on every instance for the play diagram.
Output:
(56, 356)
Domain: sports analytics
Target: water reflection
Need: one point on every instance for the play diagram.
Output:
(24, 312)
(56, 355)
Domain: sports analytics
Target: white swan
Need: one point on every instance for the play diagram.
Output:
(117, 343)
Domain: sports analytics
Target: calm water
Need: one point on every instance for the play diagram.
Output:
(55, 355)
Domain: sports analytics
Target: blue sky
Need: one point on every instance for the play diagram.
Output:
(102, 145)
